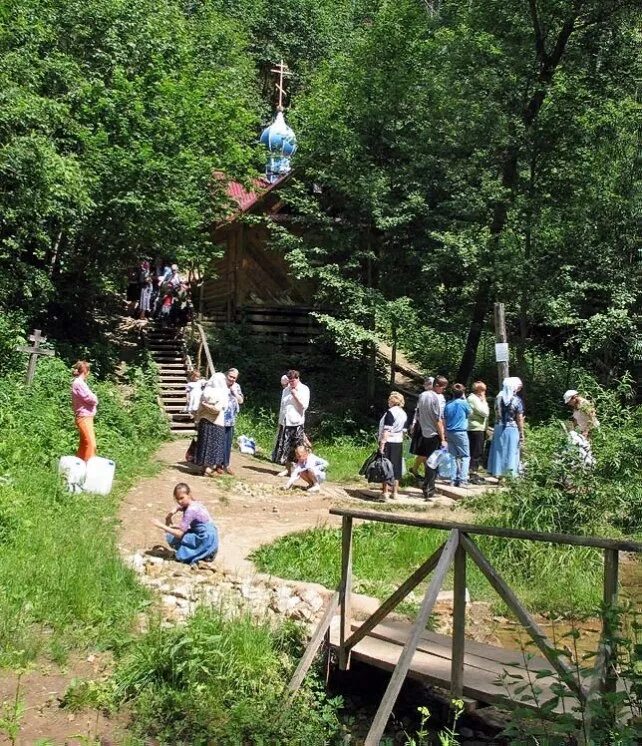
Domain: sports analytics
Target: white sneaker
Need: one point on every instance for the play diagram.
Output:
(314, 488)
(283, 473)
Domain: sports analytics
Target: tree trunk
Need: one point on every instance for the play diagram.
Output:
(547, 62)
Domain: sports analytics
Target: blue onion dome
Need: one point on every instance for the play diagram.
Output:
(281, 142)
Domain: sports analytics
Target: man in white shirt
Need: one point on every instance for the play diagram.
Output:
(295, 400)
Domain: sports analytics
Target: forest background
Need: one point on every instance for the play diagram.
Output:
(450, 155)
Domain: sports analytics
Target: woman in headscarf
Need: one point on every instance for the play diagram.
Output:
(508, 434)
(210, 419)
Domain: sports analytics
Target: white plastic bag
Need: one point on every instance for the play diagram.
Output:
(246, 445)
(436, 457)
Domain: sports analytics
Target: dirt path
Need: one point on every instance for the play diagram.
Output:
(250, 508)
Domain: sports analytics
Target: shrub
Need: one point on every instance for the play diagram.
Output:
(221, 680)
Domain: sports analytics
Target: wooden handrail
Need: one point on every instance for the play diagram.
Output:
(208, 355)
(597, 542)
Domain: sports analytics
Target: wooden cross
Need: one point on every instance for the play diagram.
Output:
(34, 352)
(283, 72)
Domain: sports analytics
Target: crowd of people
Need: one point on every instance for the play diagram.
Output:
(446, 422)
(459, 427)
(159, 291)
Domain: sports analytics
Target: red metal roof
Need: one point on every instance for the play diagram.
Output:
(246, 198)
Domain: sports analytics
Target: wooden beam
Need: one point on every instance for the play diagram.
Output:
(564, 670)
(405, 659)
(597, 542)
(314, 644)
(459, 624)
(395, 598)
(345, 590)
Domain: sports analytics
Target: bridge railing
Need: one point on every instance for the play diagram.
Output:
(454, 552)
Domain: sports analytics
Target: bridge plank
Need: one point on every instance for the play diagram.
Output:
(432, 664)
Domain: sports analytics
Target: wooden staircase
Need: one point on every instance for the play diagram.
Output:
(166, 349)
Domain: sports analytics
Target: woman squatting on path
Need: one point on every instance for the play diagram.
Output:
(196, 536)
(84, 403)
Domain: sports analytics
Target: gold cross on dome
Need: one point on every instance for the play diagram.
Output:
(282, 71)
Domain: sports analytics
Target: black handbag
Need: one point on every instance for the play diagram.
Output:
(377, 468)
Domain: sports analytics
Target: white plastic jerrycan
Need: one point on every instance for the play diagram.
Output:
(74, 471)
(100, 475)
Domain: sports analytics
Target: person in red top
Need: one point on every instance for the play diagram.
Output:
(84, 403)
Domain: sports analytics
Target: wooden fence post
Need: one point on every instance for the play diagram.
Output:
(345, 619)
(459, 623)
(611, 562)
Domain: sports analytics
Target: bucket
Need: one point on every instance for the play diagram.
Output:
(100, 475)
(73, 470)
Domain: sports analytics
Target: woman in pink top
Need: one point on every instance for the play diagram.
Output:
(84, 403)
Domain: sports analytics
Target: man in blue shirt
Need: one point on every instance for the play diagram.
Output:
(456, 415)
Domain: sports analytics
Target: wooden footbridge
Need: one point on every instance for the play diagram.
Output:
(484, 673)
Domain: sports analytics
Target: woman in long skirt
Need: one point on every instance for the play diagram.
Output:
(508, 434)
(210, 440)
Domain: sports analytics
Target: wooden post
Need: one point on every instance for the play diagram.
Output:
(603, 680)
(459, 624)
(393, 356)
(611, 562)
(315, 643)
(34, 352)
(345, 588)
(501, 337)
(405, 659)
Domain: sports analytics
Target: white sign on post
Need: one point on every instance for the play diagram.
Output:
(501, 352)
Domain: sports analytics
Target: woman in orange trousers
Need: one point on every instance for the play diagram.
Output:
(84, 403)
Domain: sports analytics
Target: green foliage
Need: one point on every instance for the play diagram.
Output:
(221, 678)
(113, 118)
(450, 169)
(63, 579)
(612, 718)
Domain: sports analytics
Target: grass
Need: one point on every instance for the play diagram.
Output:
(64, 585)
(384, 555)
(220, 677)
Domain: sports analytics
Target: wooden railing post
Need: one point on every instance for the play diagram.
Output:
(459, 622)
(405, 659)
(345, 619)
(610, 597)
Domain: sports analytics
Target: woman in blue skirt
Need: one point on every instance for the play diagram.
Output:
(508, 434)
(196, 537)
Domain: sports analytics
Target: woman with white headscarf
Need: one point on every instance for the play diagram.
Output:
(508, 434)
(210, 419)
